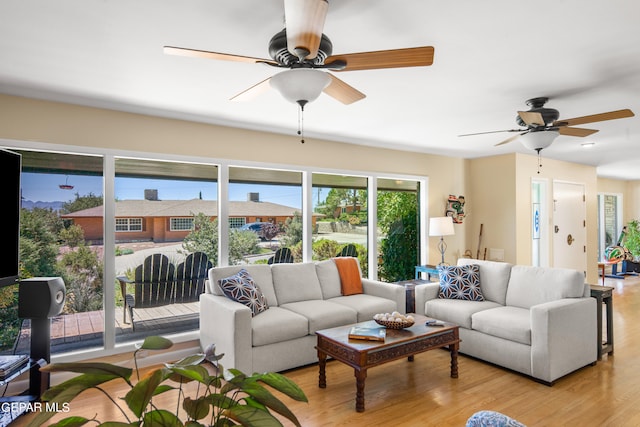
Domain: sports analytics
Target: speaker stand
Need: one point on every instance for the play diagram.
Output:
(40, 349)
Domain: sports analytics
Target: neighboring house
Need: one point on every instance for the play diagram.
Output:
(171, 220)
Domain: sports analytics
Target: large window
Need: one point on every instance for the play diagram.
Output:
(265, 215)
(340, 203)
(398, 222)
(124, 233)
(177, 202)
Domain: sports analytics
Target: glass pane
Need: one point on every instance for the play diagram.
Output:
(55, 242)
(166, 239)
(265, 216)
(340, 206)
(398, 225)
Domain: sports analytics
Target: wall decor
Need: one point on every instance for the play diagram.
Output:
(455, 208)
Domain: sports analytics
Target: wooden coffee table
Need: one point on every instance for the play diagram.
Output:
(362, 355)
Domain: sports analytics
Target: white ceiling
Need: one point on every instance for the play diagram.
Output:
(490, 57)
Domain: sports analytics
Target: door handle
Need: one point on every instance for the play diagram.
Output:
(570, 239)
(556, 228)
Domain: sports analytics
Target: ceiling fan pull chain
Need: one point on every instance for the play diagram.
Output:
(539, 160)
(301, 103)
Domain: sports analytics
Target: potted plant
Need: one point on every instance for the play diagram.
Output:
(632, 244)
(223, 398)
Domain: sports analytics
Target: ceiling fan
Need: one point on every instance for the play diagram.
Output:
(541, 125)
(306, 52)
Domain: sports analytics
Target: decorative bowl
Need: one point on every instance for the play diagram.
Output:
(394, 324)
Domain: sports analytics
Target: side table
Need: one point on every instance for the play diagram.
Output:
(604, 295)
(429, 269)
(409, 286)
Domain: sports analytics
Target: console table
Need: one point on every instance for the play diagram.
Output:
(604, 296)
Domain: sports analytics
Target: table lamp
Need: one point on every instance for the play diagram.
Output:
(441, 226)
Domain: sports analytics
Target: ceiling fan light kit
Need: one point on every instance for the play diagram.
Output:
(300, 84)
(539, 139)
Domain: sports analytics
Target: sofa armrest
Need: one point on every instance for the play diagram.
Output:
(386, 290)
(563, 337)
(227, 324)
(425, 292)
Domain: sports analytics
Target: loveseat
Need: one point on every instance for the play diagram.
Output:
(301, 298)
(537, 321)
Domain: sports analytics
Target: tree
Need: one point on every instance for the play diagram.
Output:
(83, 276)
(204, 238)
(81, 203)
(398, 220)
(292, 231)
(39, 230)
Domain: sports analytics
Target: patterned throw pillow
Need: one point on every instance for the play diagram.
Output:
(460, 282)
(241, 288)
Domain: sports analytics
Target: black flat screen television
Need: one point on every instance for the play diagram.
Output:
(11, 166)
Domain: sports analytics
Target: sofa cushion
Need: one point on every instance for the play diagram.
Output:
(456, 311)
(295, 282)
(350, 281)
(323, 314)
(277, 325)
(510, 323)
(329, 278)
(531, 286)
(366, 305)
(261, 274)
(460, 282)
(494, 278)
(241, 288)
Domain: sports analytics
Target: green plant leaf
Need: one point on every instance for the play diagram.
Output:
(192, 360)
(265, 397)
(222, 401)
(78, 384)
(252, 417)
(140, 395)
(155, 342)
(97, 368)
(283, 385)
(196, 408)
(62, 395)
(197, 373)
(161, 418)
(72, 422)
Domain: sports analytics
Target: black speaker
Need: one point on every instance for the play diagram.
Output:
(41, 297)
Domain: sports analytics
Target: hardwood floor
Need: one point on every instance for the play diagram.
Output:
(421, 393)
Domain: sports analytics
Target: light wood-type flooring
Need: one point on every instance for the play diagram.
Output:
(421, 393)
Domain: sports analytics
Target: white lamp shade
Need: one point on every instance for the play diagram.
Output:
(538, 140)
(300, 84)
(304, 20)
(441, 226)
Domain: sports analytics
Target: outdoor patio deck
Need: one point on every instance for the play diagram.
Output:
(85, 330)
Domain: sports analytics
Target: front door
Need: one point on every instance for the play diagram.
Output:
(569, 226)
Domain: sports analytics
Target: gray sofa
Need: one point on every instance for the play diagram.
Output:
(302, 298)
(537, 321)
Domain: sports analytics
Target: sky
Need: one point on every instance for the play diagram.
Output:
(46, 188)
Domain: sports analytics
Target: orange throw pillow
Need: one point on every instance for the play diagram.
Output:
(350, 281)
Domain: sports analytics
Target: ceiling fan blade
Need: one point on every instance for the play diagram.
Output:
(304, 21)
(571, 131)
(493, 131)
(395, 58)
(508, 140)
(342, 92)
(531, 118)
(194, 53)
(611, 115)
(253, 91)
